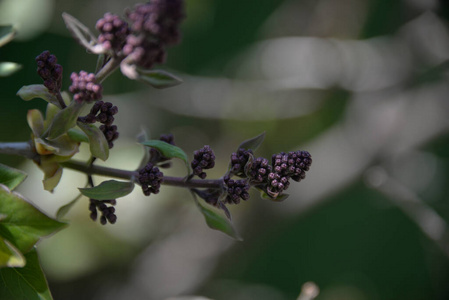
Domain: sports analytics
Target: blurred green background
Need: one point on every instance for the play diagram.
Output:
(361, 84)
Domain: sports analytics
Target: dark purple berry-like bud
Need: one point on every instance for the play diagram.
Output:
(239, 160)
(107, 212)
(150, 178)
(84, 88)
(203, 159)
(113, 32)
(110, 133)
(236, 189)
(144, 52)
(49, 71)
(258, 173)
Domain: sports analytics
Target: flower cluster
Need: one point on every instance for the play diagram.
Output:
(113, 32)
(239, 160)
(150, 179)
(154, 26)
(49, 71)
(103, 112)
(107, 212)
(203, 159)
(84, 88)
(236, 190)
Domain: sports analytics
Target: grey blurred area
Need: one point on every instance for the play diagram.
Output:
(360, 84)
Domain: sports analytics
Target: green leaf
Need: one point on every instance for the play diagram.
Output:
(7, 33)
(23, 225)
(63, 210)
(10, 256)
(168, 150)
(82, 34)
(64, 120)
(29, 92)
(253, 143)
(27, 283)
(278, 198)
(217, 221)
(62, 145)
(35, 121)
(11, 177)
(158, 78)
(50, 182)
(9, 68)
(77, 135)
(97, 141)
(141, 137)
(108, 190)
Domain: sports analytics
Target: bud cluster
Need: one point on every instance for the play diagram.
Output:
(150, 178)
(84, 88)
(236, 190)
(103, 112)
(239, 160)
(113, 32)
(107, 212)
(203, 159)
(49, 71)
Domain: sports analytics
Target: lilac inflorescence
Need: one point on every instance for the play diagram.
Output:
(159, 19)
(203, 159)
(113, 32)
(236, 190)
(260, 168)
(150, 178)
(49, 71)
(144, 52)
(84, 88)
(107, 212)
(239, 160)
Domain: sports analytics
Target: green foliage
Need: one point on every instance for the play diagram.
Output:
(64, 120)
(11, 177)
(97, 141)
(158, 78)
(10, 256)
(27, 283)
(217, 221)
(111, 189)
(22, 224)
(253, 143)
(82, 34)
(168, 151)
(29, 92)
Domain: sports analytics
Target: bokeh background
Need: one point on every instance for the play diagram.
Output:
(361, 84)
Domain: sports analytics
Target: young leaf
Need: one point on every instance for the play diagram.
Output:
(216, 221)
(97, 141)
(8, 68)
(11, 177)
(107, 190)
(62, 145)
(29, 92)
(253, 143)
(23, 225)
(64, 120)
(10, 256)
(77, 135)
(82, 34)
(24, 283)
(278, 198)
(35, 121)
(63, 210)
(141, 137)
(168, 150)
(7, 33)
(50, 182)
(158, 78)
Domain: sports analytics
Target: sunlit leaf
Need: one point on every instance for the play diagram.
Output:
(217, 221)
(27, 283)
(11, 177)
(23, 225)
(36, 121)
(9, 68)
(64, 120)
(168, 150)
(82, 34)
(10, 256)
(29, 92)
(50, 182)
(97, 141)
(253, 143)
(7, 33)
(107, 190)
(158, 78)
